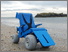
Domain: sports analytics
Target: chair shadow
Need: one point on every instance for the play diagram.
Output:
(40, 48)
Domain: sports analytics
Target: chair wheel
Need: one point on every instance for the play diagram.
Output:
(15, 39)
(30, 42)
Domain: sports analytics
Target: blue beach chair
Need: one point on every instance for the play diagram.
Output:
(31, 33)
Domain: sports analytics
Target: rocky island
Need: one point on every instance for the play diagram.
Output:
(51, 15)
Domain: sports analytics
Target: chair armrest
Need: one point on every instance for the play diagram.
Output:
(38, 25)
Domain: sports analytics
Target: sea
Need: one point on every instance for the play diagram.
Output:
(12, 21)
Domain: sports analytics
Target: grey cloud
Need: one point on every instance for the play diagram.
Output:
(55, 8)
(6, 2)
(40, 3)
(46, 3)
(32, 9)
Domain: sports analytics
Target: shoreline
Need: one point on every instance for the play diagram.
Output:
(50, 17)
(34, 17)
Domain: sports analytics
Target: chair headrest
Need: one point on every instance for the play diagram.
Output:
(18, 15)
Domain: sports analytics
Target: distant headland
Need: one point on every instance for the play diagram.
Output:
(50, 15)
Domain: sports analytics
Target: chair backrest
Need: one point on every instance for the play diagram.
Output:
(26, 20)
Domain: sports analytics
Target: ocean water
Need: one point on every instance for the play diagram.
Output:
(11, 21)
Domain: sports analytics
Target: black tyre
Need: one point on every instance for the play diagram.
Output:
(30, 42)
(15, 39)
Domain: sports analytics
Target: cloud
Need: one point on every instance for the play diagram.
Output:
(6, 2)
(47, 3)
(16, 5)
(33, 6)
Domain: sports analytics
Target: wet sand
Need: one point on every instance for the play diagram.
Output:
(8, 31)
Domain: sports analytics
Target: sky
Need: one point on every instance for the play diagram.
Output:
(9, 8)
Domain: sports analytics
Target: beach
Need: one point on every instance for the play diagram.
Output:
(57, 30)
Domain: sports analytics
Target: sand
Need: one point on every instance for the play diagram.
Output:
(7, 45)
